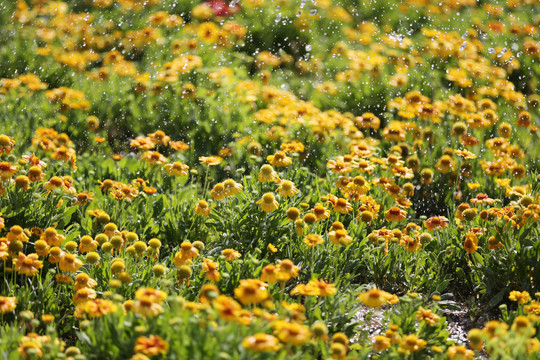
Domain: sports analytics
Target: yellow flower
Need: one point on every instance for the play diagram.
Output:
(375, 298)
(83, 295)
(320, 288)
(210, 160)
(269, 274)
(287, 189)
(412, 343)
(177, 169)
(381, 343)
(6, 144)
(209, 268)
(279, 159)
(154, 158)
(146, 307)
(70, 263)
(395, 214)
(202, 208)
(342, 206)
(218, 192)
(520, 297)
(152, 345)
(231, 254)
(7, 304)
(7, 170)
(231, 187)
(262, 343)
(268, 202)
(251, 291)
(313, 240)
(459, 352)
(28, 265)
(340, 237)
(186, 253)
(428, 316)
(286, 270)
(291, 333)
(267, 174)
(471, 243)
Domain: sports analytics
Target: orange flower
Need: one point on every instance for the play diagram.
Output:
(152, 346)
(84, 198)
(261, 343)
(209, 268)
(251, 291)
(342, 206)
(279, 159)
(70, 263)
(471, 243)
(7, 170)
(177, 169)
(6, 144)
(395, 214)
(375, 298)
(202, 208)
(179, 145)
(28, 265)
(286, 270)
(291, 333)
(436, 222)
(231, 254)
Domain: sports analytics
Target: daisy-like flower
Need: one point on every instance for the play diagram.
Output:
(154, 158)
(202, 208)
(231, 254)
(471, 243)
(313, 240)
(262, 343)
(251, 291)
(436, 222)
(7, 170)
(7, 304)
(218, 192)
(268, 202)
(210, 160)
(6, 144)
(279, 159)
(286, 270)
(70, 263)
(342, 206)
(395, 214)
(52, 237)
(177, 169)
(375, 298)
(28, 265)
(84, 198)
(267, 174)
(16, 233)
(209, 268)
(287, 188)
(231, 187)
(321, 213)
(152, 345)
(146, 307)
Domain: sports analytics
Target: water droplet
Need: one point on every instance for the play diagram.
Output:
(312, 12)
